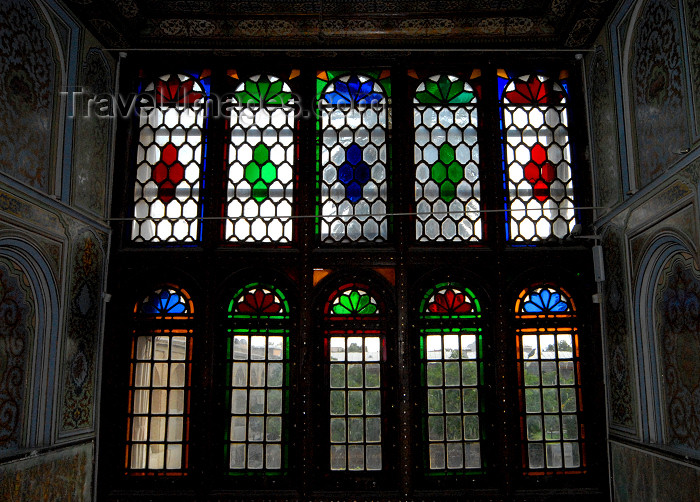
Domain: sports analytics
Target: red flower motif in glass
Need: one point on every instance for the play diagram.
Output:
(534, 92)
(449, 301)
(260, 302)
(168, 173)
(176, 92)
(540, 172)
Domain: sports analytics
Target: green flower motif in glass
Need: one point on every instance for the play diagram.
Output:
(354, 302)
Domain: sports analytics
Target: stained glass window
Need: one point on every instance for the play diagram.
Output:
(258, 380)
(537, 160)
(355, 349)
(353, 156)
(160, 383)
(446, 154)
(260, 162)
(549, 376)
(452, 375)
(170, 160)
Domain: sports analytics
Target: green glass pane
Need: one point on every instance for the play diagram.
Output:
(447, 153)
(436, 428)
(337, 376)
(551, 427)
(355, 402)
(448, 191)
(452, 374)
(434, 374)
(534, 428)
(438, 172)
(463, 98)
(453, 401)
(532, 400)
(471, 427)
(373, 402)
(433, 88)
(337, 430)
(570, 426)
(252, 172)
(469, 373)
(337, 402)
(252, 89)
(261, 154)
(471, 400)
(550, 400)
(568, 399)
(260, 191)
(455, 172)
(434, 400)
(268, 173)
(427, 98)
(263, 88)
(453, 428)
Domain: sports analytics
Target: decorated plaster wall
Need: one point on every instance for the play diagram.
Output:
(52, 252)
(646, 165)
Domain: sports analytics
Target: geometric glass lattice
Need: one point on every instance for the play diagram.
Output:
(354, 360)
(446, 154)
(452, 375)
(353, 156)
(537, 163)
(260, 160)
(160, 383)
(170, 161)
(549, 381)
(257, 380)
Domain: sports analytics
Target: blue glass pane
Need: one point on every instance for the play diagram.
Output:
(546, 301)
(164, 301)
(353, 92)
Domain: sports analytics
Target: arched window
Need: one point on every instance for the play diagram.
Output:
(355, 348)
(353, 156)
(160, 383)
(549, 380)
(170, 160)
(452, 374)
(257, 379)
(537, 163)
(446, 154)
(260, 162)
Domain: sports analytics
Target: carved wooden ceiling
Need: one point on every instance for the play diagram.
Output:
(344, 23)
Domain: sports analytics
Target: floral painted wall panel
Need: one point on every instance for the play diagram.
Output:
(604, 141)
(677, 324)
(27, 91)
(64, 476)
(692, 28)
(92, 136)
(620, 352)
(657, 89)
(17, 330)
(81, 342)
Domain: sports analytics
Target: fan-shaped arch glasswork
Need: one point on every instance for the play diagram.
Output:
(537, 163)
(257, 380)
(160, 383)
(355, 355)
(170, 159)
(549, 376)
(261, 159)
(353, 156)
(446, 154)
(452, 375)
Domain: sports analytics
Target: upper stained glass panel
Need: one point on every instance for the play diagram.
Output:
(170, 160)
(446, 154)
(537, 168)
(353, 156)
(260, 162)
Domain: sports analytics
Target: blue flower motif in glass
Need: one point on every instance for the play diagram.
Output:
(164, 301)
(353, 92)
(354, 173)
(547, 300)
